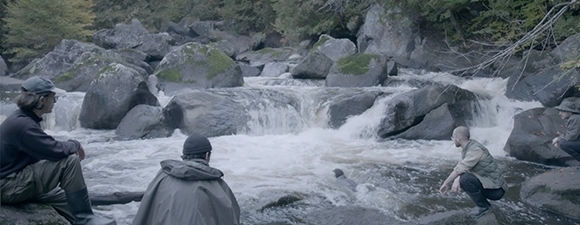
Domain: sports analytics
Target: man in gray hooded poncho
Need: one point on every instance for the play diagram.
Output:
(189, 191)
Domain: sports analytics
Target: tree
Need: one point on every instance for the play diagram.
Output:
(34, 27)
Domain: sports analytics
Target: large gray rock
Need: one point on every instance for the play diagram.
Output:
(383, 35)
(3, 67)
(217, 112)
(82, 73)
(323, 54)
(274, 69)
(249, 71)
(114, 92)
(199, 66)
(360, 70)
(540, 77)
(314, 66)
(144, 121)
(555, 191)
(531, 137)
(436, 125)
(134, 36)
(410, 109)
(30, 214)
(265, 55)
(349, 215)
(334, 48)
(10, 84)
(346, 105)
(56, 62)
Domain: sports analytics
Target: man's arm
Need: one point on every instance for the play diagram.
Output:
(572, 129)
(471, 159)
(37, 143)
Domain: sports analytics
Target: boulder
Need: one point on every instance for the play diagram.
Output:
(323, 54)
(144, 122)
(410, 109)
(265, 55)
(360, 70)
(3, 67)
(226, 47)
(541, 78)
(82, 73)
(133, 36)
(334, 48)
(346, 105)
(199, 66)
(31, 214)
(58, 61)
(383, 35)
(274, 69)
(249, 71)
(555, 191)
(115, 90)
(10, 84)
(217, 112)
(349, 215)
(531, 137)
(314, 66)
(457, 217)
(436, 125)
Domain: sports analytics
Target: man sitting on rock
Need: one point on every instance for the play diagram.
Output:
(477, 173)
(36, 168)
(570, 141)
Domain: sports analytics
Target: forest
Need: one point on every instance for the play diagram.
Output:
(31, 28)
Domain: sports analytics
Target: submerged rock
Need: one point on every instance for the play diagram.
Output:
(30, 214)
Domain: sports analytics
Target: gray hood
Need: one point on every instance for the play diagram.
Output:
(196, 169)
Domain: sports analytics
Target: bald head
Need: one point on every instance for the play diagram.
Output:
(461, 133)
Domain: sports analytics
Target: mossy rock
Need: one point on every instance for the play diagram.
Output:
(357, 64)
(321, 41)
(30, 214)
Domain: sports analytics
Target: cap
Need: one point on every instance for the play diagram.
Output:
(40, 85)
(195, 144)
(568, 106)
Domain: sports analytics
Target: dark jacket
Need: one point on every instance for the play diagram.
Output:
(23, 142)
(188, 192)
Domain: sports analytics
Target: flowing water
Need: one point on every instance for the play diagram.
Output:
(289, 151)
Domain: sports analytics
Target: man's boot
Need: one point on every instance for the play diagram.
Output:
(80, 206)
(482, 205)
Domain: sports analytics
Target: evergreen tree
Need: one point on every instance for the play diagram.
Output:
(34, 27)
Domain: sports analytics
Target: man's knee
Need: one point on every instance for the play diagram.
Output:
(72, 160)
(569, 145)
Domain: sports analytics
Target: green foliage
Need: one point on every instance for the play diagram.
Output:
(36, 26)
(497, 21)
(300, 19)
(153, 14)
(248, 15)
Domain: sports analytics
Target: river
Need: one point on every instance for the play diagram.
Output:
(291, 152)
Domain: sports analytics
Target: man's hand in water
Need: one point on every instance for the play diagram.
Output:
(443, 189)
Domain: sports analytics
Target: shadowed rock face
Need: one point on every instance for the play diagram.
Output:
(349, 215)
(556, 190)
(410, 114)
(531, 137)
(457, 217)
(113, 93)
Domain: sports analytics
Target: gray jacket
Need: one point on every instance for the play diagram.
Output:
(476, 159)
(188, 192)
(572, 128)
